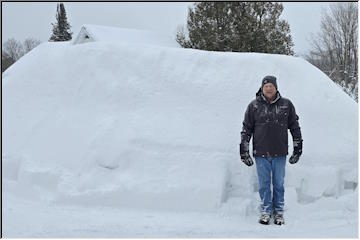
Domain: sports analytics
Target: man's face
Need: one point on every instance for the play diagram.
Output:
(269, 90)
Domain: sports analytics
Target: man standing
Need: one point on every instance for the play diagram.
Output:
(268, 119)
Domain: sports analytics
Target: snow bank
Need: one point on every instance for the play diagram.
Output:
(127, 125)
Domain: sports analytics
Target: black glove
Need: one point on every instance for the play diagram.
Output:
(294, 158)
(297, 151)
(245, 157)
(247, 160)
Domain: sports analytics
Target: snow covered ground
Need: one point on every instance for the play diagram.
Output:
(132, 140)
(327, 217)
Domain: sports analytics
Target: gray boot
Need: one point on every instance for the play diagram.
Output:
(279, 219)
(264, 219)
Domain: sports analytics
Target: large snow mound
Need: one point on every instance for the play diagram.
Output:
(132, 125)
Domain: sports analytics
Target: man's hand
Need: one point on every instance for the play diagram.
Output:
(297, 151)
(245, 158)
(248, 161)
(244, 153)
(294, 158)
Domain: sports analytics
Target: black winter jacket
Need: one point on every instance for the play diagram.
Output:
(268, 123)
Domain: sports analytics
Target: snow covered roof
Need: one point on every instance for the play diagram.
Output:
(92, 33)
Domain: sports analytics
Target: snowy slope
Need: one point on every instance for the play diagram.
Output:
(127, 126)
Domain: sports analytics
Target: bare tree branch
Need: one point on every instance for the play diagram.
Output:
(334, 48)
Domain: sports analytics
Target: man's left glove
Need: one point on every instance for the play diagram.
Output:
(297, 151)
(294, 158)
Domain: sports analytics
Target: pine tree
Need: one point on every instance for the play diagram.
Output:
(237, 27)
(61, 29)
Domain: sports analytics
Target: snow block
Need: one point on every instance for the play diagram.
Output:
(152, 179)
(312, 183)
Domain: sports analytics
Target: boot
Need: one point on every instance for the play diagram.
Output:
(279, 219)
(265, 219)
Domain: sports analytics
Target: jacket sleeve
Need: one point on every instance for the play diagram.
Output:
(247, 130)
(295, 131)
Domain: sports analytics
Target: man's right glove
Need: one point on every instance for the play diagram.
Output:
(245, 158)
(297, 152)
(244, 153)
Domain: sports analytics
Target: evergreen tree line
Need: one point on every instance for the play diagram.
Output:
(237, 27)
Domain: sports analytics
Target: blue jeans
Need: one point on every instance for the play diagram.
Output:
(271, 168)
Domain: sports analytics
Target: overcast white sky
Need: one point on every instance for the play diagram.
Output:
(25, 19)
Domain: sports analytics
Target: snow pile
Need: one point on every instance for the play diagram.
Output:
(106, 135)
(142, 126)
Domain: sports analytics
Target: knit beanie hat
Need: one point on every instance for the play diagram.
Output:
(269, 79)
